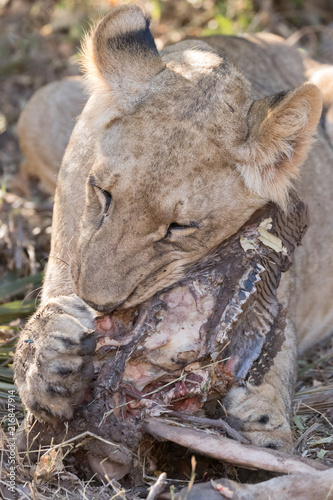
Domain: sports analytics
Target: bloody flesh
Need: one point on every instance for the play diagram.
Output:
(207, 332)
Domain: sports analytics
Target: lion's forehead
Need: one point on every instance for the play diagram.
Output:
(179, 157)
(173, 153)
(197, 98)
(187, 123)
(165, 133)
(196, 95)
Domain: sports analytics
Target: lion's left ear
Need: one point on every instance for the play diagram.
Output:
(279, 139)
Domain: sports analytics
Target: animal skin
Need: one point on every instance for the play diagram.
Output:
(171, 155)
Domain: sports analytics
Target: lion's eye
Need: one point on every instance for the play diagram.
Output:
(181, 229)
(104, 199)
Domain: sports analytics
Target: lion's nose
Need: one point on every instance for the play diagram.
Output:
(102, 308)
(89, 287)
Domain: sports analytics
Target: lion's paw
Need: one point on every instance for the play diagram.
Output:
(260, 418)
(54, 361)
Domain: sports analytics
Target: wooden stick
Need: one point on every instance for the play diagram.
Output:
(228, 450)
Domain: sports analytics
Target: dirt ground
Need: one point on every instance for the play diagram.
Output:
(39, 43)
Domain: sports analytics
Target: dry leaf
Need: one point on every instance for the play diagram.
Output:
(49, 464)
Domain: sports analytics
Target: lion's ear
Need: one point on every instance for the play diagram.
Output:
(279, 139)
(121, 56)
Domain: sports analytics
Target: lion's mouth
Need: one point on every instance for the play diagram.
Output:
(211, 330)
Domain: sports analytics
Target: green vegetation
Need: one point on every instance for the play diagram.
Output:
(11, 312)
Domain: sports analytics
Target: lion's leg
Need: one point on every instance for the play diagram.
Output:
(53, 361)
(262, 412)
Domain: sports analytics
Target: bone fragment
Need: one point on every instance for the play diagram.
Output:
(231, 451)
(157, 487)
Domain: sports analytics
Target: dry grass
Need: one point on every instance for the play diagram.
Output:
(48, 477)
(314, 404)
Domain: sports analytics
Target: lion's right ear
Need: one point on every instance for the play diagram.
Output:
(121, 56)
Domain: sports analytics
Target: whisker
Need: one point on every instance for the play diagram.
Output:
(58, 258)
(32, 291)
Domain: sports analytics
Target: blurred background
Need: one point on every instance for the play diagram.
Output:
(39, 43)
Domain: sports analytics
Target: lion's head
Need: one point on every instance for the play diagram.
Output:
(180, 155)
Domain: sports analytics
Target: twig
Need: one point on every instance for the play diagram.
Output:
(317, 399)
(219, 423)
(228, 450)
(319, 412)
(156, 488)
(306, 433)
(83, 435)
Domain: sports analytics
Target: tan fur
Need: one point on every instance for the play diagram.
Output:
(323, 77)
(45, 126)
(280, 143)
(183, 137)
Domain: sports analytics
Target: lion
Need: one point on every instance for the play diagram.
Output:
(171, 154)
